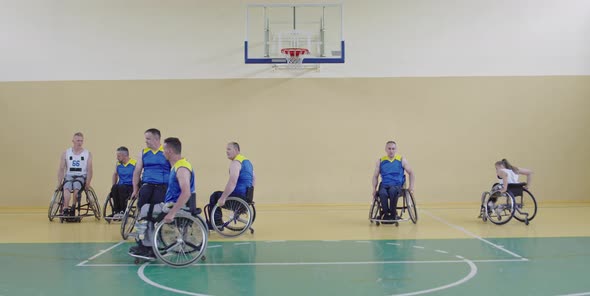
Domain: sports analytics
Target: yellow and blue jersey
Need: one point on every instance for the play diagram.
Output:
(173, 191)
(392, 171)
(246, 176)
(156, 168)
(125, 172)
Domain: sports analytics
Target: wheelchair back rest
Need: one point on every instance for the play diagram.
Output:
(250, 194)
(516, 188)
(192, 204)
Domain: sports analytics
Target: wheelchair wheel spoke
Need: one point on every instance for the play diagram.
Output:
(190, 244)
(168, 248)
(236, 207)
(185, 254)
(241, 220)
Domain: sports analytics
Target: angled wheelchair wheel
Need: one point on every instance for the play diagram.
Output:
(93, 204)
(374, 210)
(499, 207)
(108, 209)
(55, 204)
(181, 242)
(526, 207)
(233, 219)
(411, 206)
(128, 221)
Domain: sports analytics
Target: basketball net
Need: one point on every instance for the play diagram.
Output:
(294, 57)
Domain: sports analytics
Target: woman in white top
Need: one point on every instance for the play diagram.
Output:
(508, 174)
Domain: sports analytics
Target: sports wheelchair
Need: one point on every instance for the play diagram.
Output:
(89, 209)
(235, 217)
(108, 212)
(517, 202)
(408, 204)
(181, 242)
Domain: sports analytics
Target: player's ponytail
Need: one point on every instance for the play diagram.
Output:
(507, 165)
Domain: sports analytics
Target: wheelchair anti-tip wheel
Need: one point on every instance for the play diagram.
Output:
(525, 207)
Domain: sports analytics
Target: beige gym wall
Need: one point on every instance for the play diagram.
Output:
(311, 140)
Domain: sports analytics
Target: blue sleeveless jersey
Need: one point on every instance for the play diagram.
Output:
(246, 176)
(125, 172)
(173, 191)
(156, 168)
(391, 170)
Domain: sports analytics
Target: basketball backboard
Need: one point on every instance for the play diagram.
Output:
(271, 28)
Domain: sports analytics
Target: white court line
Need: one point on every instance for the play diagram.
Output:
(82, 263)
(316, 263)
(441, 251)
(239, 244)
(472, 235)
(393, 244)
(472, 273)
(215, 246)
(100, 253)
(110, 265)
(578, 294)
(418, 247)
(460, 257)
(150, 282)
(500, 260)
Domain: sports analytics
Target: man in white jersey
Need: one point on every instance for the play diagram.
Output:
(75, 170)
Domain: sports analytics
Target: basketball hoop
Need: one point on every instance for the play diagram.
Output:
(295, 56)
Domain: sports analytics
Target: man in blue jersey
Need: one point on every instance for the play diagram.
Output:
(241, 177)
(182, 178)
(122, 180)
(155, 168)
(180, 187)
(392, 169)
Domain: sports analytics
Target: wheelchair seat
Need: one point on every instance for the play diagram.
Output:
(516, 188)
